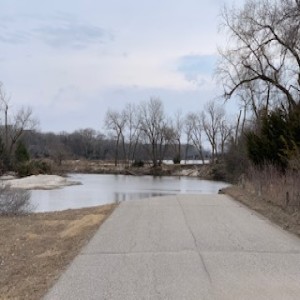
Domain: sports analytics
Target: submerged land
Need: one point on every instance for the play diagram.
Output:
(36, 248)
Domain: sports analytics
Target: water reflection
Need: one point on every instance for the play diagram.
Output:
(103, 189)
(120, 197)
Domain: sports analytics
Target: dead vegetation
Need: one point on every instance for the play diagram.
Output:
(274, 187)
(272, 194)
(108, 167)
(36, 248)
(14, 201)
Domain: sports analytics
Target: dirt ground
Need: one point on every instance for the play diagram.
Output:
(288, 219)
(35, 249)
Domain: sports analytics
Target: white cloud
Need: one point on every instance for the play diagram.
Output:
(65, 63)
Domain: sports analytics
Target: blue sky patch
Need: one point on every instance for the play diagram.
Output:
(195, 66)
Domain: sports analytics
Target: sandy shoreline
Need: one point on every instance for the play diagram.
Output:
(39, 182)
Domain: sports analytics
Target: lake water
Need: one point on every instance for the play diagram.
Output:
(103, 189)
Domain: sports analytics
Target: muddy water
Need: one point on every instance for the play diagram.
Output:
(103, 189)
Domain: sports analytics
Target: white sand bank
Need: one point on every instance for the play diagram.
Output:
(187, 172)
(40, 182)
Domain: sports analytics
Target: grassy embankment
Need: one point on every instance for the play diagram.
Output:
(36, 248)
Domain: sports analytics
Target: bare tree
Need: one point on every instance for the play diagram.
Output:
(178, 130)
(152, 124)
(57, 148)
(188, 126)
(4, 105)
(194, 131)
(167, 138)
(133, 131)
(22, 121)
(116, 122)
(264, 51)
(14, 124)
(212, 117)
(225, 134)
(86, 139)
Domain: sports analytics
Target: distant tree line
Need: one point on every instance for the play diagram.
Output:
(138, 133)
(146, 128)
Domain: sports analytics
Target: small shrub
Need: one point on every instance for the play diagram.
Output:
(33, 167)
(14, 201)
(23, 169)
(218, 172)
(21, 153)
(176, 160)
(42, 167)
(138, 164)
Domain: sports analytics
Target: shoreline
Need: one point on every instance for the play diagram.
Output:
(100, 167)
(38, 182)
(59, 179)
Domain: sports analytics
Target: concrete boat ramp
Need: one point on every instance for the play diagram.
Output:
(184, 247)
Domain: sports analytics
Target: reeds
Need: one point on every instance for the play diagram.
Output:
(282, 189)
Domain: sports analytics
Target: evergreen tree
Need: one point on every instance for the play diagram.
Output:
(278, 139)
(21, 153)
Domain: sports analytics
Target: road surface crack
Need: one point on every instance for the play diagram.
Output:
(195, 241)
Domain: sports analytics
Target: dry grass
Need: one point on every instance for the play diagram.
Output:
(272, 194)
(274, 187)
(36, 248)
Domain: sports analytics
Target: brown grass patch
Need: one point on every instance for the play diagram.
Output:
(77, 226)
(36, 248)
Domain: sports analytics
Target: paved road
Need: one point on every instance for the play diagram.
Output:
(184, 247)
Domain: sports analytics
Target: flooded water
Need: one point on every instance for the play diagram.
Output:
(104, 189)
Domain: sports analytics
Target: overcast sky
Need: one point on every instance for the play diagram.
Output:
(72, 60)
